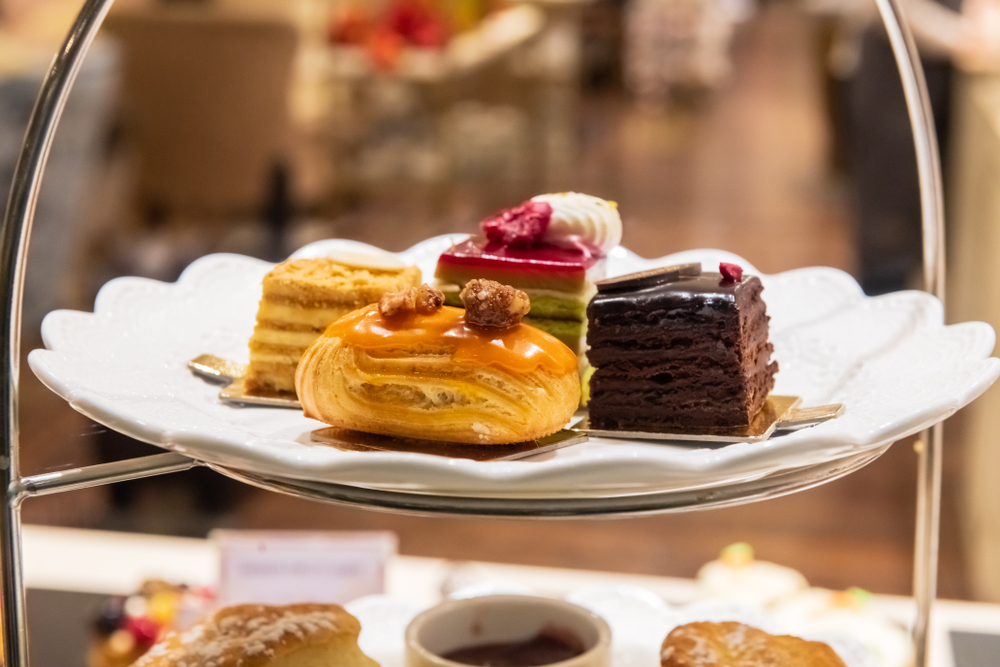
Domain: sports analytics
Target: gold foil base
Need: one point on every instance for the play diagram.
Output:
(799, 418)
(779, 413)
(216, 369)
(356, 441)
(236, 394)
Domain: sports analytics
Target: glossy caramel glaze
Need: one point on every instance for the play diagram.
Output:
(519, 349)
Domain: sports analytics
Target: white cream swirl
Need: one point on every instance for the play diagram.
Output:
(579, 217)
(757, 582)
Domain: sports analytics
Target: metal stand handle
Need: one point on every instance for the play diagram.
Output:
(16, 232)
(13, 259)
(918, 104)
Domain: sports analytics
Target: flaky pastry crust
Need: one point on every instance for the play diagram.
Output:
(256, 635)
(731, 644)
(433, 378)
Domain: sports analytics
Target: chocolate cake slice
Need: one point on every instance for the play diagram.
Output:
(678, 348)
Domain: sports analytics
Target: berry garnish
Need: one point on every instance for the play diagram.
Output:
(519, 227)
(145, 630)
(731, 272)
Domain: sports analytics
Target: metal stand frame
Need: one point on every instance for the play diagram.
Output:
(16, 232)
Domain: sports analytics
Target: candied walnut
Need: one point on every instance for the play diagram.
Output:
(429, 300)
(391, 303)
(493, 305)
(424, 300)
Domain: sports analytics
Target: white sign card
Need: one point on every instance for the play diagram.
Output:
(276, 567)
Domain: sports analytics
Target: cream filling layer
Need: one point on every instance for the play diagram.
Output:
(263, 335)
(316, 318)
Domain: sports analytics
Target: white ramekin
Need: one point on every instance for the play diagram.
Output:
(502, 618)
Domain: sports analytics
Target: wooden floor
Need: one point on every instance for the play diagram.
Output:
(744, 171)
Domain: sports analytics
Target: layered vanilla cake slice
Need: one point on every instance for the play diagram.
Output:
(300, 299)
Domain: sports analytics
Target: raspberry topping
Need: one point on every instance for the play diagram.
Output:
(731, 272)
(519, 227)
(144, 630)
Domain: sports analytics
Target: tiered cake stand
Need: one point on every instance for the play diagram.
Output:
(13, 257)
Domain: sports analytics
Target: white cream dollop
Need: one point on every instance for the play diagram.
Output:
(592, 220)
(757, 582)
(819, 612)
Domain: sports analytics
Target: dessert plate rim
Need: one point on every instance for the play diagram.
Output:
(142, 325)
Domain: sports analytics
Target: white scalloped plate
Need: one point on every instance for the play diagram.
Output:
(889, 359)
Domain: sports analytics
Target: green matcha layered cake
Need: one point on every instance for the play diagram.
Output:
(553, 247)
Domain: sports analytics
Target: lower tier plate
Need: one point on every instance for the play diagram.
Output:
(639, 622)
(890, 360)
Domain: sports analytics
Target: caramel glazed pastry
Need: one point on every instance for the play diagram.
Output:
(410, 367)
(301, 297)
(255, 635)
(731, 644)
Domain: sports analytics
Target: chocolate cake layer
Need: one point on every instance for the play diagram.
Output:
(689, 353)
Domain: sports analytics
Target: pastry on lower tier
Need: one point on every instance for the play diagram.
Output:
(256, 635)
(409, 367)
(678, 348)
(737, 576)
(301, 297)
(552, 247)
(126, 627)
(850, 614)
(732, 644)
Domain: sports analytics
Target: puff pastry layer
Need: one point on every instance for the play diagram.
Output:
(432, 377)
(256, 635)
(706, 644)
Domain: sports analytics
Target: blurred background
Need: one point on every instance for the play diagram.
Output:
(772, 128)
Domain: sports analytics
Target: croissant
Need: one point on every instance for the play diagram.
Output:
(435, 377)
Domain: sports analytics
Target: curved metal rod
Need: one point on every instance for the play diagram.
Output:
(918, 105)
(925, 566)
(74, 479)
(14, 237)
